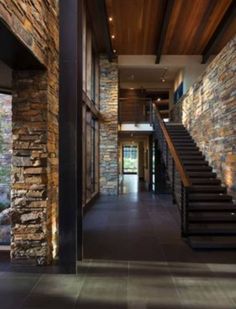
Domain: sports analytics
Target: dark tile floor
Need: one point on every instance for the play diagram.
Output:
(135, 259)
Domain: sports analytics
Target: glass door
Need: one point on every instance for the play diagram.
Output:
(130, 159)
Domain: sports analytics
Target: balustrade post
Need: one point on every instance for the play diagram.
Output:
(173, 181)
(184, 210)
(167, 158)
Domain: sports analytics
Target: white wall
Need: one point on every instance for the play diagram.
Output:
(191, 74)
(189, 66)
(138, 85)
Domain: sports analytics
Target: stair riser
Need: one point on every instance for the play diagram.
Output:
(213, 233)
(198, 181)
(189, 153)
(194, 163)
(201, 174)
(198, 168)
(209, 198)
(207, 190)
(212, 217)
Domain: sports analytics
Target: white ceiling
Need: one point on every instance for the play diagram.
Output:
(147, 75)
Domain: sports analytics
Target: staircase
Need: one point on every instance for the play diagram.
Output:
(208, 214)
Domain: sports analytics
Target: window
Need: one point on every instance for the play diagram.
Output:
(93, 78)
(130, 159)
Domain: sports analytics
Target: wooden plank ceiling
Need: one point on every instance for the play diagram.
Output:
(136, 25)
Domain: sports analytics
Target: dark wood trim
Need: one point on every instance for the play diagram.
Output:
(5, 91)
(99, 18)
(179, 166)
(91, 106)
(70, 133)
(165, 22)
(15, 53)
(91, 203)
(229, 15)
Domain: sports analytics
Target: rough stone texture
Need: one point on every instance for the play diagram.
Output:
(30, 236)
(208, 111)
(108, 127)
(35, 129)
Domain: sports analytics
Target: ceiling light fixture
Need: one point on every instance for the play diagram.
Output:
(114, 51)
(110, 18)
(159, 99)
(113, 36)
(164, 75)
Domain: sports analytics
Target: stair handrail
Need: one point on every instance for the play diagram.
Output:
(179, 165)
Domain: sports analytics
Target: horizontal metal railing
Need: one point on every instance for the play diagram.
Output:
(135, 110)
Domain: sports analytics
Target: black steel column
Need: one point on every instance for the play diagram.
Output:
(70, 130)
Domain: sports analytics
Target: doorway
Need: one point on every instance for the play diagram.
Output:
(134, 165)
(130, 159)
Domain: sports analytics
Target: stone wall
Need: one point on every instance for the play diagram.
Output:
(35, 129)
(108, 127)
(208, 111)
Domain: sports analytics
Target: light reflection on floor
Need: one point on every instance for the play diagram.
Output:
(130, 183)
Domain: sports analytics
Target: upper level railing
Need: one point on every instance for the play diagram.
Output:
(135, 110)
(179, 180)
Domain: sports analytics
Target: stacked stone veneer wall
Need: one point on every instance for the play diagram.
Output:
(35, 132)
(208, 111)
(108, 127)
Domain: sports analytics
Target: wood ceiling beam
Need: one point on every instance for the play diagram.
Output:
(166, 18)
(99, 19)
(105, 26)
(229, 15)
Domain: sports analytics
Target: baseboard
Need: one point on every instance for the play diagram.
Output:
(90, 204)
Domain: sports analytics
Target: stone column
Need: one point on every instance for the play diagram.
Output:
(31, 239)
(108, 127)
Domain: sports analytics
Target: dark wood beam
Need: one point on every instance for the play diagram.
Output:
(100, 26)
(70, 135)
(229, 15)
(166, 18)
(91, 106)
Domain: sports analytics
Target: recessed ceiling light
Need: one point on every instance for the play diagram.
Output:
(113, 36)
(110, 18)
